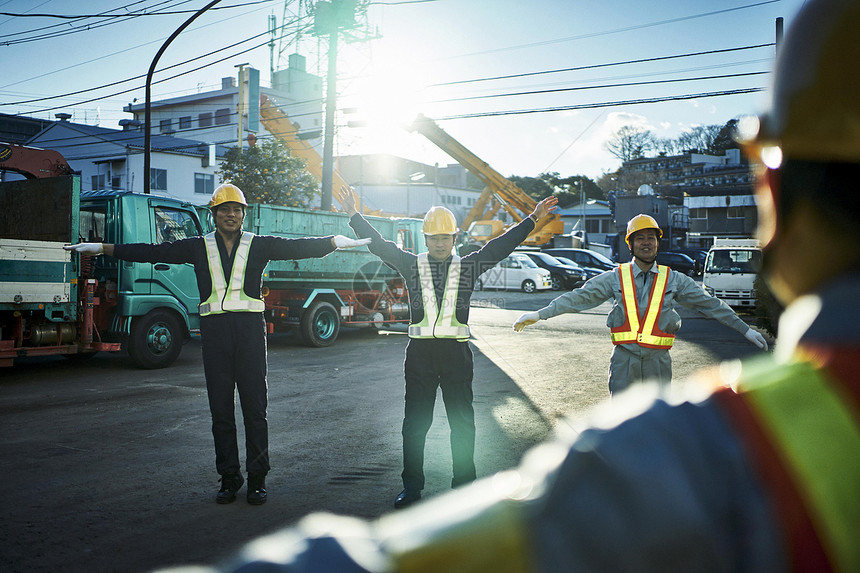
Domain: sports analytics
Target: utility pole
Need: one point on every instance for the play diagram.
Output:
(241, 105)
(329, 19)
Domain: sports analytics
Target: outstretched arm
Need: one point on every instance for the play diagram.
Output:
(92, 248)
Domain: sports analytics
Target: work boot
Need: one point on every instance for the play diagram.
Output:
(230, 484)
(257, 489)
(406, 497)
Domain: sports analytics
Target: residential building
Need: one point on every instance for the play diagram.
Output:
(113, 159)
(213, 116)
(716, 193)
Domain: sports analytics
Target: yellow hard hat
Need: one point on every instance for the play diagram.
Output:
(814, 111)
(439, 221)
(227, 193)
(640, 222)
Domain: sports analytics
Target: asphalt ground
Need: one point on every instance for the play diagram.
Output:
(111, 468)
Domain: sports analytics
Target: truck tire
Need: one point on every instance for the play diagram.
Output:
(529, 286)
(155, 339)
(320, 324)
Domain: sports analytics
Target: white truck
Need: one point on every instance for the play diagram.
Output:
(730, 271)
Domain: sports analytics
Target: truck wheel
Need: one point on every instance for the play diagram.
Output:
(320, 324)
(557, 282)
(529, 286)
(155, 339)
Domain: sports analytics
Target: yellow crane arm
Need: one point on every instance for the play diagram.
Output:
(280, 126)
(495, 182)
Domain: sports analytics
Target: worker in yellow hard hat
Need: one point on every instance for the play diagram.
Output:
(440, 286)
(642, 321)
(229, 265)
(751, 467)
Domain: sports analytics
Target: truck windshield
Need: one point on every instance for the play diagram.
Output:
(733, 261)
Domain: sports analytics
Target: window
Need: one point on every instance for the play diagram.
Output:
(185, 122)
(592, 225)
(205, 119)
(115, 182)
(157, 179)
(173, 225)
(734, 212)
(222, 116)
(698, 213)
(166, 125)
(92, 226)
(98, 182)
(404, 240)
(204, 183)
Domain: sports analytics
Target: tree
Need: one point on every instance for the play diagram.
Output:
(725, 139)
(630, 143)
(535, 187)
(700, 138)
(267, 173)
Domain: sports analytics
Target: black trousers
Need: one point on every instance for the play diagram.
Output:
(234, 357)
(432, 364)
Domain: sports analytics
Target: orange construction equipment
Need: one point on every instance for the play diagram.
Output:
(498, 193)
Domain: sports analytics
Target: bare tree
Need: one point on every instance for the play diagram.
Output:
(700, 138)
(630, 143)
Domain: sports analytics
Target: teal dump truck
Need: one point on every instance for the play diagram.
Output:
(56, 302)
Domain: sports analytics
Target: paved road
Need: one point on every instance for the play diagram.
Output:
(110, 468)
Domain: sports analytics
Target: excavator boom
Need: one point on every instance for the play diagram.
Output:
(498, 192)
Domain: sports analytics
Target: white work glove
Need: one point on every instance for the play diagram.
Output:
(526, 319)
(341, 242)
(756, 338)
(86, 248)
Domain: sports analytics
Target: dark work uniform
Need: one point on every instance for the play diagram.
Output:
(234, 343)
(444, 363)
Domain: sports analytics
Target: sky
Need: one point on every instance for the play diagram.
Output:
(472, 65)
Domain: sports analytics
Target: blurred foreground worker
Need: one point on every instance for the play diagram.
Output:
(760, 475)
(438, 355)
(643, 321)
(229, 265)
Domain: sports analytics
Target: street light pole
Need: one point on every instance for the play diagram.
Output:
(147, 130)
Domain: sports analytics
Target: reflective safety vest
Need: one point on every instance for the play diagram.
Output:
(801, 424)
(647, 332)
(438, 324)
(229, 297)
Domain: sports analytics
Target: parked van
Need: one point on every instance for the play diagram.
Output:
(515, 272)
(730, 270)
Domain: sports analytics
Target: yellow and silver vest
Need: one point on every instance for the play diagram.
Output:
(229, 297)
(647, 333)
(439, 322)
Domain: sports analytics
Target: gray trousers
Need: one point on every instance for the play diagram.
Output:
(636, 364)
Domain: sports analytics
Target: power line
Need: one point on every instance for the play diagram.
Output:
(620, 85)
(110, 19)
(104, 15)
(604, 65)
(603, 104)
(144, 75)
(619, 30)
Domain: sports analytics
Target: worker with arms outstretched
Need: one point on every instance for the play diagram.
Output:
(642, 320)
(229, 265)
(440, 286)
